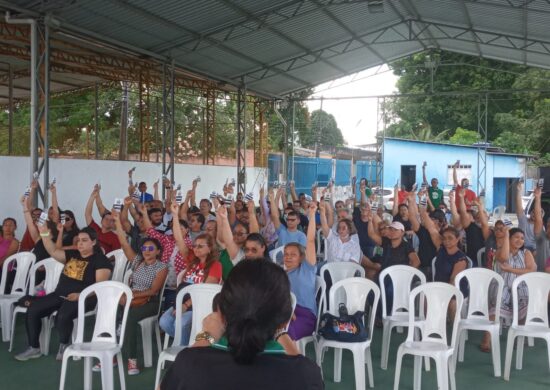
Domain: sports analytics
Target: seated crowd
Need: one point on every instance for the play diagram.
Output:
(172, 243)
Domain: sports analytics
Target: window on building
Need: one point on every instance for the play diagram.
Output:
(462, 172)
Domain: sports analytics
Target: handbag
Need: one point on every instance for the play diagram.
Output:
(347, 328)
(139, 301)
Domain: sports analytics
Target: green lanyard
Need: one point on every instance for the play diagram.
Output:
(270, 347)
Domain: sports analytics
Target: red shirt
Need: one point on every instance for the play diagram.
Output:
(196, 274)
(402, 197)
(469, 197)
(107, 241)
(27, 244)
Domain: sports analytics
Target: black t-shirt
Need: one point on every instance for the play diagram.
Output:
(68, 237)
(208, 368)
(40, 251)
(367, 245)
(426, 248)
(406, 224)
(79, 272)
(474, 242)
(397, 255)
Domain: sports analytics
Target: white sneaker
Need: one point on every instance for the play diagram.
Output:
(29, 353)
(97, 366)
(132, 367)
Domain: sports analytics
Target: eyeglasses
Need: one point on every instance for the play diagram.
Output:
(199, 246)
(68, 219)
(148, 248)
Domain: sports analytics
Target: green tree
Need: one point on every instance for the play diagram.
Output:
(464, 137)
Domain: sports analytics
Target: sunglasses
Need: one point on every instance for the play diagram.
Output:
(68, 219)
(199, 246)
(291, 220)
(150, 248)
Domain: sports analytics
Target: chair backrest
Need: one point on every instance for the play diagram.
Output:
(325, 251)
(479, 282)
(277, 255)
(339, 271)
(470, 265)
(202, 295)
(356, 291)
(127, 276)
(402, 277)
(121, 264)
(498, 212)
(479, 256)
(318, 238)
(53, 269)
(23, 261)
(433, 327)
(538, 286)
(320, 293)
(108, 295)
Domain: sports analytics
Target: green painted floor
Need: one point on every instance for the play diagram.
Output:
(476, 372)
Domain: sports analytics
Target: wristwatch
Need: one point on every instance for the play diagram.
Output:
(205, 336)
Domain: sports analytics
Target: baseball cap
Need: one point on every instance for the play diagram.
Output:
(397, 226)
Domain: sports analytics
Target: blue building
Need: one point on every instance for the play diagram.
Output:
(403, 158)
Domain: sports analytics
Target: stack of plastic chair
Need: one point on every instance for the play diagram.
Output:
(356, 291)
(477, 317)
(438, 296)
(536, 321)
(104, 344)
(53, 269)
(22, 262)
(402, 277)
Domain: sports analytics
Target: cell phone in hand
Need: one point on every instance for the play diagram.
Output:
(507, 222)
(374, 206)
(27, 192)
(63, 218)
(540, 183)
(43, 218)
(197, 179)
(179, 197)
(35, 175)
(117, 204)
(136, 195)
(213, 195)
(414, 187)
(249, 197)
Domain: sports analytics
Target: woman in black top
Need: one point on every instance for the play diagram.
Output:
(243, 346)
(83, 267)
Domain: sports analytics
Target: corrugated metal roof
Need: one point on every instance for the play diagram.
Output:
(279, 46)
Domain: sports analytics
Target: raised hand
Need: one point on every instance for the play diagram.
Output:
(312, 209)
(174, 209)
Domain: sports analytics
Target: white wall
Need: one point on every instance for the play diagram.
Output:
(76, 179)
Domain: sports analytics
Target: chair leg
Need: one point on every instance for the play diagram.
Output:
(519, 352)
(159, 369)
(442, 370)
(417, 378)
(398, 362)
(63, 372)
(368, 359)
(495, 350)
(120, 362)
(337, 364)
(106, 373)
(12, 331)
(5, 315)
(452, 377)
(386, 338)
(509, 352)
(157, 332)
(147, 344)
(531, 341)
(462, 344)
(359, 367)
(88, 373)
(548, 351)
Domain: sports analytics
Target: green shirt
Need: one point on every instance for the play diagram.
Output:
(227, 265)
(436, 196)
(270, 347)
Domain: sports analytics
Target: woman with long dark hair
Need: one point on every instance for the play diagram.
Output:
(202, 267)
(241, 345)
(83, 267)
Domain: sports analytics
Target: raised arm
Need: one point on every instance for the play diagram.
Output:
(33, 231)
(179, 231)
(99, 203)
(464, 217)
(455, 177)
(537, 209)
(184, 206)
(90, 206)
(253, 226)
(413, 211)
(275, 216)
(519, 193)
(193, 199)
(503, 252)
(485, 229)
(124, 221)
(227, 235)
(57, 254)
(429, 225)
(395, 208)
(156, 190)
(424, 178)
(293, 191)
(121, 235)
(455, 220)
(55, 205)
(323, 212)
(372, 229)
(311, 256)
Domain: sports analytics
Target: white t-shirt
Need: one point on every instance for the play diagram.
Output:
(343, 251)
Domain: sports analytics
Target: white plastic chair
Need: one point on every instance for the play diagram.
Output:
(53, 269)
(121, 264)
(202, 295)
(480, 254)
(339, 271)
(470, 265)
(318, 237)
(276, 255)
(477, 317)
(147, 326)
(319, 292)
(23, 261)
(402, 277)
(103, 344)
(437, 296)
(536, 321)
(498, 212)
(356, 291)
